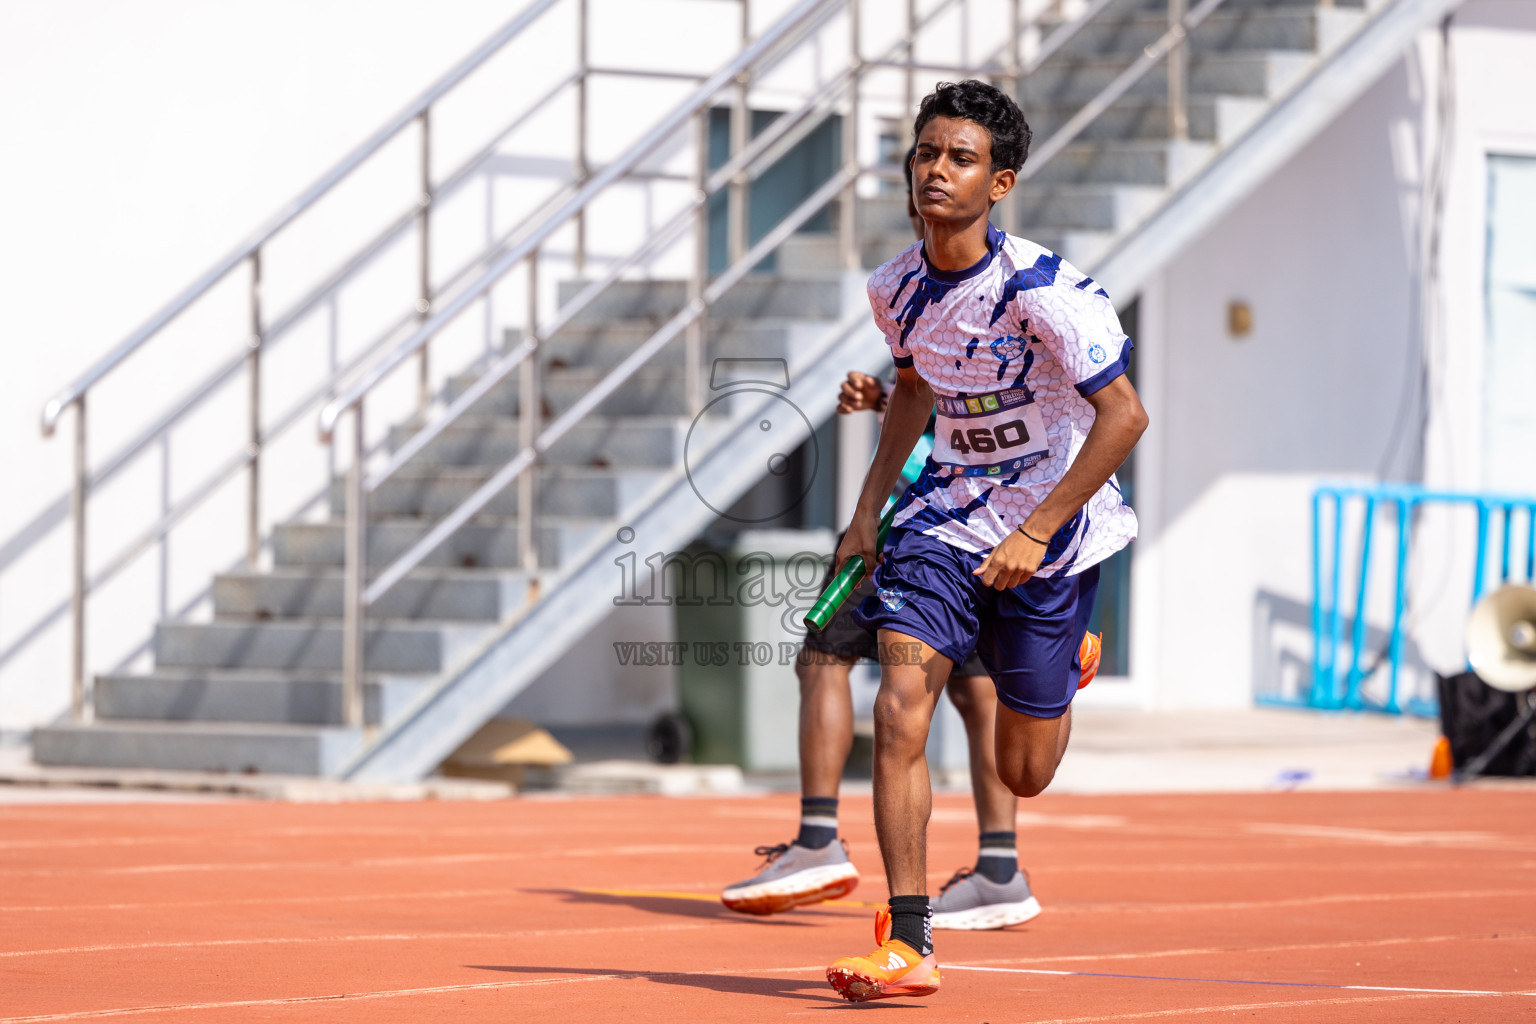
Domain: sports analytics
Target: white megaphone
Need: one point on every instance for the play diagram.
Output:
(1501, 638)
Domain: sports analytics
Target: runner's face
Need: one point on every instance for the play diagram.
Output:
(952, 176)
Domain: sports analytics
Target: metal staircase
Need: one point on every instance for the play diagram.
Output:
(472, 538)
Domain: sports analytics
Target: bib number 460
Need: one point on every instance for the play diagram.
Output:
(985, 440)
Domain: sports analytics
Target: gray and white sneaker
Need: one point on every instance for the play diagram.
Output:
(972, 902)
(793, 876)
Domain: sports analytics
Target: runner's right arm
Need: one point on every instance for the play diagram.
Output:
(906, 416)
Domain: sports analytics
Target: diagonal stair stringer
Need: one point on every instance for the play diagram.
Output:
(670, 516)
(1292, 121)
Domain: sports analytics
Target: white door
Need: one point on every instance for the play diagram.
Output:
(1509, 374)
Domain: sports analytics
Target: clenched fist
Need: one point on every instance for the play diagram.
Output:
(860, 392)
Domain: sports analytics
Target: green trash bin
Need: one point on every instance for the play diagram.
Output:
(739, 614)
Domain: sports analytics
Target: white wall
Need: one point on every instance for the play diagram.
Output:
(143, 141)
(1326, 254)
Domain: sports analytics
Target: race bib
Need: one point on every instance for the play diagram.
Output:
(995, 434)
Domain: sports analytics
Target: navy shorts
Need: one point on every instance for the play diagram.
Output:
(845, 640)
(1027, 637)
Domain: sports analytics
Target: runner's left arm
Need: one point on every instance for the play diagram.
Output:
(1082, 331)
(1118, 424)
(906, 418)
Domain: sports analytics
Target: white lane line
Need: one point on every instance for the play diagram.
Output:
(1296, 901)
(1328, 834)
(1250, 950)
(544, 853)
(367, 897)
(1232, 1008)
(1264, 867)
(1384, 837)
(139, 1011)
(1237, 981)
(1059, 907)
(399, 993)
(513, 834)
(373, 937)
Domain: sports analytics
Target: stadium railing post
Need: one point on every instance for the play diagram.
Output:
(424, 262)
(1178, 74)
(529, 408)
(354, 612)
(79, 704)
(253, 438)
(848, 222)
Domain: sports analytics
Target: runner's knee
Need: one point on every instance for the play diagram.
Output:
(1028, 778)
(901, 720)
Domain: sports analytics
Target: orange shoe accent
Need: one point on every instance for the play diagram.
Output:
(1088, 656)
(1440, 762)
(882, 925)
(893, 969)
(777, 903)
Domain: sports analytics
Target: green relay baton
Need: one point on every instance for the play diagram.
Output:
(846, 579)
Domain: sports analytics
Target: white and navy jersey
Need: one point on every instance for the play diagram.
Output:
(1010, 347)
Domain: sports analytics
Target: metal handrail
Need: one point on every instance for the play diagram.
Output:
(263, 336)
(360, 595)
(761, 152)
(610, 383)
(242, 252)
(523, 242)
(596, 184)
(1117, 88)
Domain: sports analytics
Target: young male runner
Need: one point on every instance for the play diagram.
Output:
(998, 542)
(815, 866)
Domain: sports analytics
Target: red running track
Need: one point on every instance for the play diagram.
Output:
(1396, 906)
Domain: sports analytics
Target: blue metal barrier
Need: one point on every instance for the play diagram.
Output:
(1337, 685)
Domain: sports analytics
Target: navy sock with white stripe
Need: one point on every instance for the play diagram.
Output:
(998, 859)
(818, 821)
(911, 922)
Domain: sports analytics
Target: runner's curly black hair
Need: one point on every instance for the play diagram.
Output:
(987, 106)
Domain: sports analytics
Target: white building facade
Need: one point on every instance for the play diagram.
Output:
(1384, 267)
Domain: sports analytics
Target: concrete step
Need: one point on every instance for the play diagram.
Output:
(215, 747)
(452, 595)
(598, 441)
(1237, 74)
(313, 698)
(810, 255)
(606, 344)
(1078, 247)
(313, 645)
(433, 491)
(1157, 163)
(1211, 119)
(487, 543)
(651, 391)
(1122, 7)
(1084, 207)
(1251, 27)
(757, 295)
(1058, 207)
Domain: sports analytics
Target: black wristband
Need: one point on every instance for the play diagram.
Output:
(1037, 540)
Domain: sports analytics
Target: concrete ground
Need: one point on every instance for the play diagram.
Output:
(1250, 750)
(1112, 751)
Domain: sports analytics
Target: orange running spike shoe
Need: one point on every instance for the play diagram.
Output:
(893, 969)
(1088, 656)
